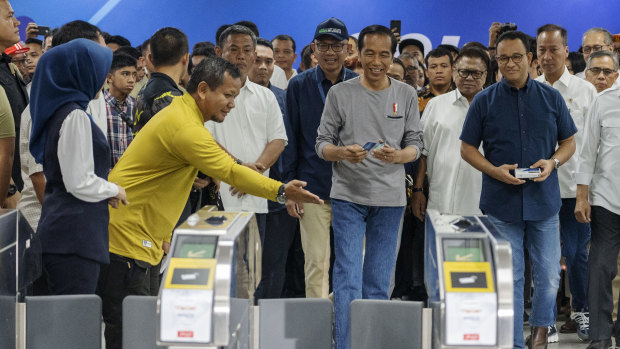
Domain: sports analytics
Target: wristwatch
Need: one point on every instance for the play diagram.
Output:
(12, 190)
(415, 190)
(281, 197)
(557, 163)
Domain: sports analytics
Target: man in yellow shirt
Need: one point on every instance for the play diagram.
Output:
(157, 171)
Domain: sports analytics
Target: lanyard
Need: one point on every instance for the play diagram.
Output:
(320, 84)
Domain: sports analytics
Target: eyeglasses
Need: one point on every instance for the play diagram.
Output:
(411, 69)
(476, 74)
(588, 49)
(516, 58)
(323, 47)
(605, 71)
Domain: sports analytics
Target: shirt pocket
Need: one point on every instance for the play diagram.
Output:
(610, 132)
(577, 113)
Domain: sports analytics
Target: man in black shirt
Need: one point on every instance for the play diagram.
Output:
(170, 57)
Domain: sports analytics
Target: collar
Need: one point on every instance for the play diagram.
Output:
(458, 97)
(564, 79)
(109, 98)
(321, 74)
(528, 84)
(189, 100)
(249, 86)
(164, 77)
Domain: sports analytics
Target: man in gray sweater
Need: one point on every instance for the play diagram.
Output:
(369, 129)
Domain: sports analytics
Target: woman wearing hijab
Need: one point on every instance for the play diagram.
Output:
(76, 159)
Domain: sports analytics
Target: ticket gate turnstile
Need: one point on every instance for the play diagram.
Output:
(469, 280)
(214, 256)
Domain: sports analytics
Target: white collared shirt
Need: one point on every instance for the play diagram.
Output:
(599, 165)
(278, 78)
(578, 95)
(455, 185)
(255, 121)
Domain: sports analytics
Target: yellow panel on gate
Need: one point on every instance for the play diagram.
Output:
(190, 273)
(469, 277)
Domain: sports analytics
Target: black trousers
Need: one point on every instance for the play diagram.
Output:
(602, 269)
(279, 237)
(70, 274)
(121, 278)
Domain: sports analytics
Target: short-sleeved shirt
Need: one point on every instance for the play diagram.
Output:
(518, 126)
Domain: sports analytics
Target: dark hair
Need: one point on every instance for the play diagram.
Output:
(237, 29)
(398, 61)
(219, 32)
(475, 44)
(474, 52)
(264, 42)
(604, 53)
(376, 29)
(168, 46)
(578, 64)
(130, 51)
(200, 44)
(105, 35)
(284, 37)
(75, 30)
(50, 33)
(533, 49)
(34, 41)
(119, 40)
(144, 45)
(514, 35)
(121, 60)
(306, 56)
(450, 48)
(437, 53)
(211, 70)
(202, 50)
(250, 25)
(552, 28)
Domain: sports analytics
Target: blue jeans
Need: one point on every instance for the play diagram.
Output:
(575, 238)
(357, 274)
(542, 240)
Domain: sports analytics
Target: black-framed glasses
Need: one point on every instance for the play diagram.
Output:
(516, 58)
(595, 48)
(476, 74)
(323, 47)
(605, 71)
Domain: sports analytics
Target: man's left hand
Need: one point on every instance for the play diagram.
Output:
(387, 154)
(546, 166)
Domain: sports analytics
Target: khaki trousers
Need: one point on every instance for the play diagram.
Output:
(314, 227)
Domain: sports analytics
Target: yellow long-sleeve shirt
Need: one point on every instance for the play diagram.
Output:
(157, 171)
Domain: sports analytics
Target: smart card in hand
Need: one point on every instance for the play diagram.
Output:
(369, 145)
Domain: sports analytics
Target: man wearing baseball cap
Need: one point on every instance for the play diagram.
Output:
(305, 99)
(413, 47)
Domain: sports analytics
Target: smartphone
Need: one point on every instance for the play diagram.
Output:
(43, 30)
(396, 23)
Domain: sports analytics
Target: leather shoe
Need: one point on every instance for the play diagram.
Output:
(600, 344)
(570, 326)
(538, 339)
